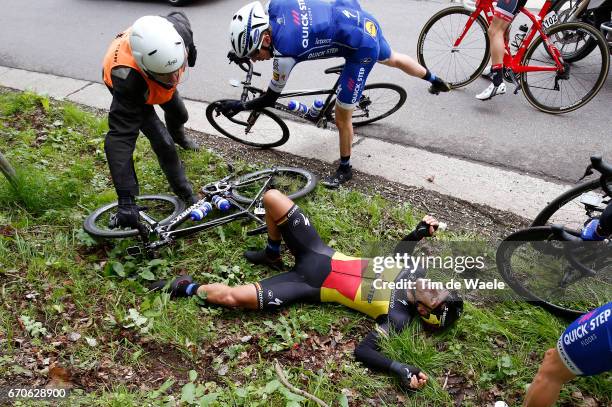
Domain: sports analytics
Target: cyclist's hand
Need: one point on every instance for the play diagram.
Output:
(411, 377)
(230, 108)
(439, 85)
(427, 227)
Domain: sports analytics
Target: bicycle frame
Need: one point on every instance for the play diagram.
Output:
(169, 233)
(514, 61)
(320, 120)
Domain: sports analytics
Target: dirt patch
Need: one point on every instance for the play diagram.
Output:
(460, 215)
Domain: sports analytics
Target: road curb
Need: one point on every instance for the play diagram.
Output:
(502, 189)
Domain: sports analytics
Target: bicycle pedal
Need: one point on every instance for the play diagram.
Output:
(134, 251)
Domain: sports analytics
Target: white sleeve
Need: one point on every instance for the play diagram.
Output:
(281, 68)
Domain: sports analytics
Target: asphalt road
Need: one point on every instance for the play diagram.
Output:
(70, 37)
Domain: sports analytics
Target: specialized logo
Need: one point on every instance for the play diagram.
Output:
(297, 221)
(348, 14)
(366, 61)
(275, 302)
(370, 28)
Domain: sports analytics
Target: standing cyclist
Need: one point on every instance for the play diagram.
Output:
(293, 31)
(142, 68)
(504, 13)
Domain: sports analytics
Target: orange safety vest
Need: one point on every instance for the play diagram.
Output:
(120, 54)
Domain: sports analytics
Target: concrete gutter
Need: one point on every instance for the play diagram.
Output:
(478, 183)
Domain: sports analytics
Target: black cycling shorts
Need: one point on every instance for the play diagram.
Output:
(312, 265)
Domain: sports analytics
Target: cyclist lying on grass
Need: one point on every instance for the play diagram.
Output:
(322, 274)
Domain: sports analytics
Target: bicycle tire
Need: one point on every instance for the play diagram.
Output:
(89, 225)
(588, 46)
(401, 94)
(603, 74)
(520, 283)
(237, 123)
(422, 53)
(543, 218)
(309, 186)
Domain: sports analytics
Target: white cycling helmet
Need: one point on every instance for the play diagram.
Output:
(247, 27)
(157, 48)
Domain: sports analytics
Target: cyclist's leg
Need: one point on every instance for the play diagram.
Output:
(605, 222)
(352, 80)
(168, 158)
(288, 288)
(582, 350)
(546, 385)
(176, 115)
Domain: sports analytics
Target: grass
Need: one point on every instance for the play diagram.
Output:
(149, 350)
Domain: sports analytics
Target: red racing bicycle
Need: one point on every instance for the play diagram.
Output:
(454, 42)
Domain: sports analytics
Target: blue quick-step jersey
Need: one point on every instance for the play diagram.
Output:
(586, 345)
(316, 29)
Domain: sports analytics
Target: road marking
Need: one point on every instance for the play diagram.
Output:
(478, 183)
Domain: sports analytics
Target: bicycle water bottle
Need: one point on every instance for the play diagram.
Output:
(298, 107)
(221, 203)
(520, 36)
(315, 109)
(201, 211)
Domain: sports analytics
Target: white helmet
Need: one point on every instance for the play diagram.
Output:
(156, 46)
(247, 27)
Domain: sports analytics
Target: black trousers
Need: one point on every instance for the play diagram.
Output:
(119, 147)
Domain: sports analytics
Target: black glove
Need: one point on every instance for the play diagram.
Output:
(405, 373)
(231, 107)
(127, 214)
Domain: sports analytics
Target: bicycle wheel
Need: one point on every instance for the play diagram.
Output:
(377, 101)
(293, 182)
(575, 206)
(542, 274)
(575, 48)
(161, 208)
(267, 129)
(436, 50)
(554, 92)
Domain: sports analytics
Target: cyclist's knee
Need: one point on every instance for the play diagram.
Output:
(276, 203)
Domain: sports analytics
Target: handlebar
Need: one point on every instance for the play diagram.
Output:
(243, 63)
(601, 166)
(563, 235)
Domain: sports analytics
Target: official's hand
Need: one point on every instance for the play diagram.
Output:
(230, 108)
(127, 216)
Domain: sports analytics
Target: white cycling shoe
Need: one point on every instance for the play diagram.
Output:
(491, 91)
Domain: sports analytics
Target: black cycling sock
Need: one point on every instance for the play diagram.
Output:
(345, 162)
(273, 248)
(496, 74)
